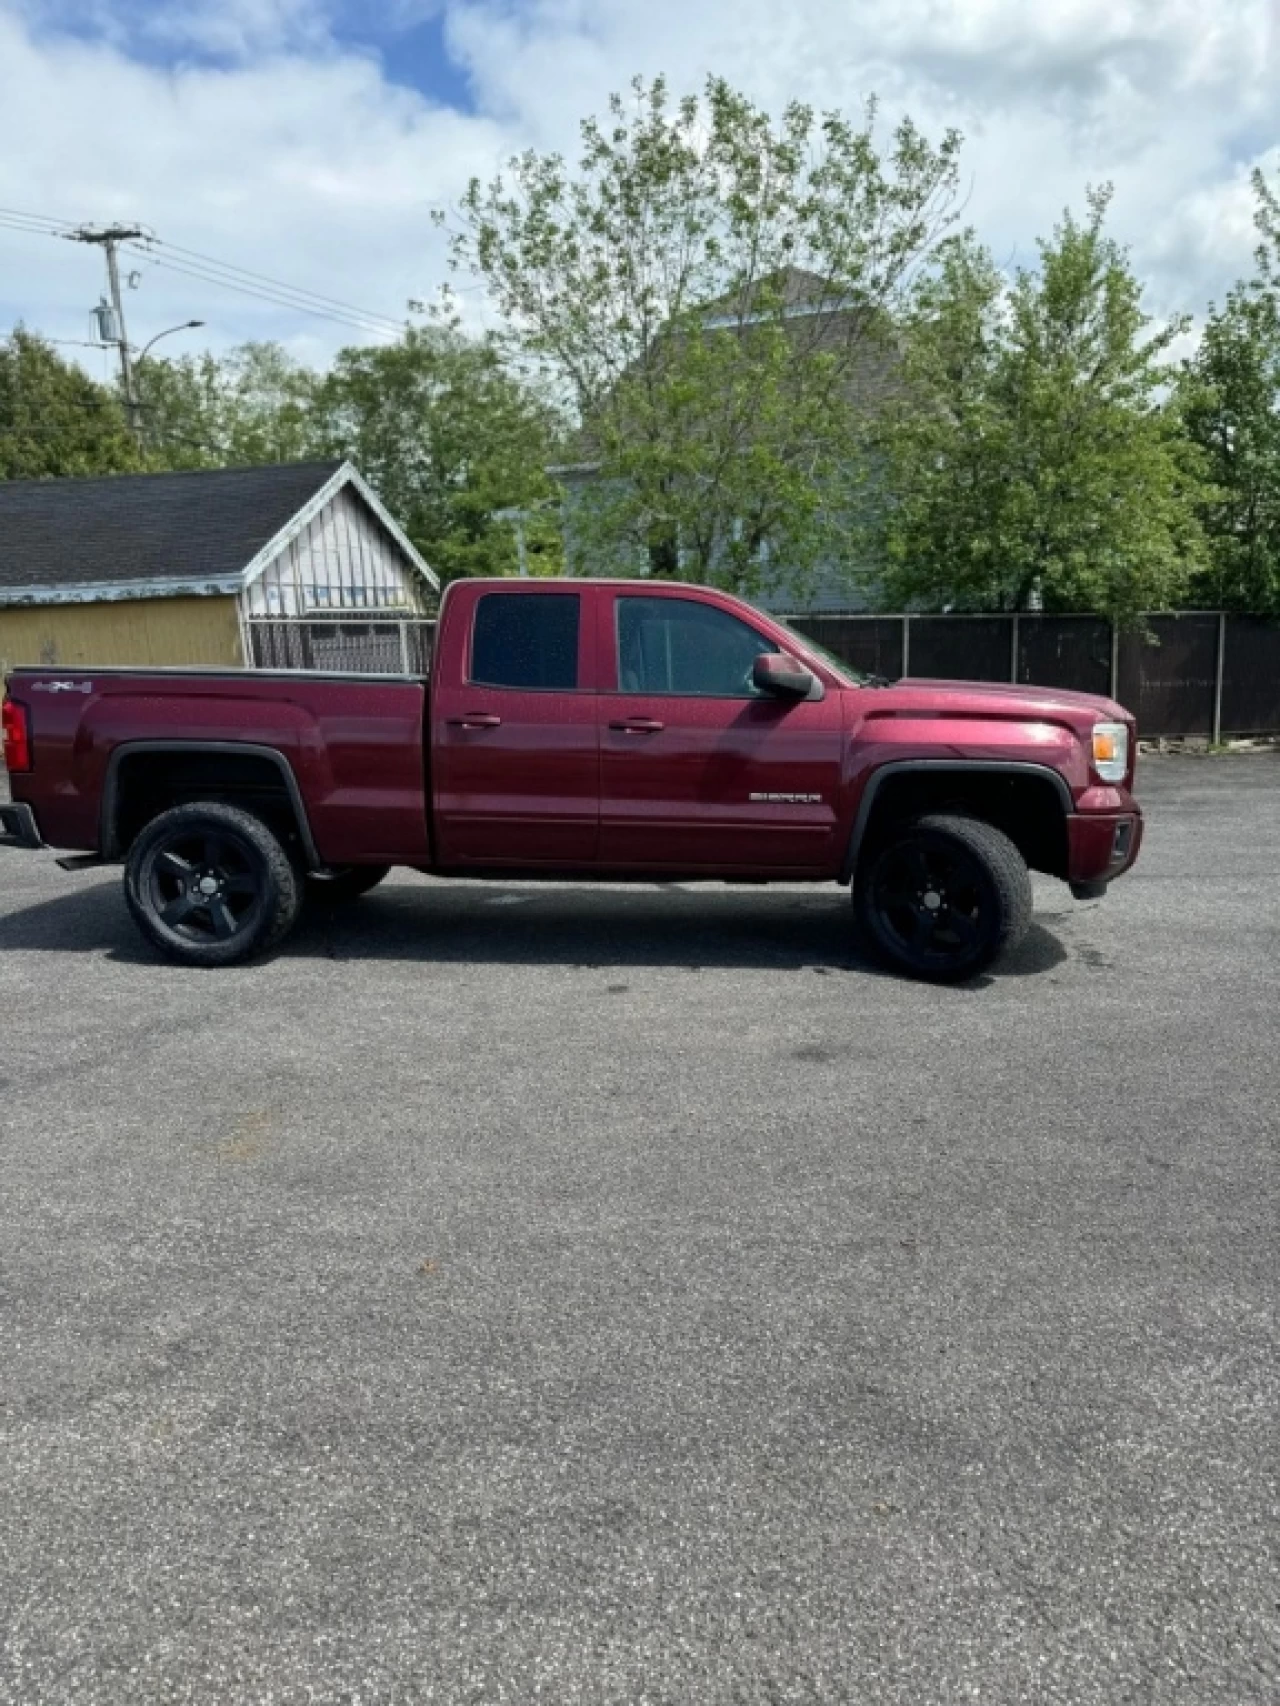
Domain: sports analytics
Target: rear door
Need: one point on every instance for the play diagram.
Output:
(697, 768)
(515, 744)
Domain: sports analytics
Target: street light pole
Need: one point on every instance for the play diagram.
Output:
(187, 325)
(134, 404)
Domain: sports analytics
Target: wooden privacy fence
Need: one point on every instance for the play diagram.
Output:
(1202, 673)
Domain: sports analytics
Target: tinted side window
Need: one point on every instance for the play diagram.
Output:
(526, 640)
(678, 645)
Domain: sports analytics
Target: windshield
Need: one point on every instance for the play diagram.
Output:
(855, 677)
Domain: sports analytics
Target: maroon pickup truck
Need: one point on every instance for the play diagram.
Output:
(597, 729)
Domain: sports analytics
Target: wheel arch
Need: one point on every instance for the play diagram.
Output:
(902, 787)
(237, 780)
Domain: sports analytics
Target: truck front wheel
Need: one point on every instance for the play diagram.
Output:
(944, 896)
(209, 884)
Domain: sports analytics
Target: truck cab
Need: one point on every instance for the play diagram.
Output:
(619, 726)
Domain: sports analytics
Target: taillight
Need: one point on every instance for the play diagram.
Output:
(17, 737)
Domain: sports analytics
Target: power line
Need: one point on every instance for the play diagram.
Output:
(36, 218)
(365, 322)
(212, 271)
(31, 228)
(261, 278)
(386, 329)
(241, 278)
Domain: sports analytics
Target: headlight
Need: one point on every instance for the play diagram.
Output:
(1111, 751)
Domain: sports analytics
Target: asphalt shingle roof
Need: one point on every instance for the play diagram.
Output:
(207, 524)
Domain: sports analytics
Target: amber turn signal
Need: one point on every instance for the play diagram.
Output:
(1111, 751)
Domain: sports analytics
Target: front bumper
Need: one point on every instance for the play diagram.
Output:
(1101, 847)
(18, 827)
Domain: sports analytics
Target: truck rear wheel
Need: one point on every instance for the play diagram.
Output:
(210, 885)
(943, 897)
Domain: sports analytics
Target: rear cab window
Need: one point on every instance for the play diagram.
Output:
(527, 641)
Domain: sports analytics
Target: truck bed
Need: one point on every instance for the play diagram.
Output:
(353, 745)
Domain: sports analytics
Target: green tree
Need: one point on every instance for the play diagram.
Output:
(705, 292)
(448, 436)
(1230, 393)
(441, 428)
(1033, 455)
(54, 419)
(1267, 219)
(255, 404)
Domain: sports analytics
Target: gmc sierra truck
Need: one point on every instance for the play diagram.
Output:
(619, 730)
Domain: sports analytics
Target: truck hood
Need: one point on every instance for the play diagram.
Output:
(1000, 699)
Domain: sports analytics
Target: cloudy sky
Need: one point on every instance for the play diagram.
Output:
(308, 140)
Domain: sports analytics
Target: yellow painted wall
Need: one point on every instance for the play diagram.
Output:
(144, 631)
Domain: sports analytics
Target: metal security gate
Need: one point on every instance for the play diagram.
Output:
(389, 646)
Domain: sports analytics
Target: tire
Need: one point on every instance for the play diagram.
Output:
(347, 885)
(255, 905)
(944, 897)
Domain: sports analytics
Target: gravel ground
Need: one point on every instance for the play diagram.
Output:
(629, 1296)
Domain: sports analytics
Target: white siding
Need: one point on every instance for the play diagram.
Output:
(342, 560)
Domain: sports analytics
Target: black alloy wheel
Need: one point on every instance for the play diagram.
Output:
(210, 884)
(204, 886)
(945, 897)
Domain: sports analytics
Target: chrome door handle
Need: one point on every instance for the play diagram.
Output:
(476, 720)
(638, 726)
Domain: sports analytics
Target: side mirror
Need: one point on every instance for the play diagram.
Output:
(782, 676)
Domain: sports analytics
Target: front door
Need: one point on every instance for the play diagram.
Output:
(697, 768)
(515, 745)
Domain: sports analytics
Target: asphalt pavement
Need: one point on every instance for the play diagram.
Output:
(624, 1296)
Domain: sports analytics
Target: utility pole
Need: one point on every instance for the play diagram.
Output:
(109, 237)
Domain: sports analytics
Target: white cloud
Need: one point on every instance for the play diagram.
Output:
(312, 170)
(1161, 96)
(297, 157)
(237, 29)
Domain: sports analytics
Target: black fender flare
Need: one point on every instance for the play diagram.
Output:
(108, 840)
(935, 766)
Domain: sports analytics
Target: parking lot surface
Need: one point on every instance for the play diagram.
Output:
(629, 1295)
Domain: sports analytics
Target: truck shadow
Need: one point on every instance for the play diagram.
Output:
(687, 926)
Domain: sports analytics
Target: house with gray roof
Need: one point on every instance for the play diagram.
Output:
(816, 321)
(297, 565)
